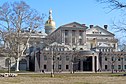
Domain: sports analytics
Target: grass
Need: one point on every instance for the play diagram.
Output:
(74, 75)
(76, 78)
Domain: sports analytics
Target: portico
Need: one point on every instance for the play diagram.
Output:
(87, 61)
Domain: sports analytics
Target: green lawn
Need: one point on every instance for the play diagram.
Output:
(77, 78)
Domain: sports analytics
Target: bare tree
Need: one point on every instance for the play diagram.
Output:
(113, 4)
(17, 21)
(120, 25)
(112, 61)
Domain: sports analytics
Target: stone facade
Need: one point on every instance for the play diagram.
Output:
(76, 47)
(113, 61)
(73, 47)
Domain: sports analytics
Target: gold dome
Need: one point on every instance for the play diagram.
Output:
(50, 22)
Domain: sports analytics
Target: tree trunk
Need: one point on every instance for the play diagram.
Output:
(52, 66)
(17, 64)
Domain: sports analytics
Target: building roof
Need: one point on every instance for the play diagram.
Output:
(104, 45)
(99, 29)
(74, 24)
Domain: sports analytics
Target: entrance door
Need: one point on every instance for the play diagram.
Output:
(23, 65)
(87, 64)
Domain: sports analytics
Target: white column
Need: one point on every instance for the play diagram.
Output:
(77, 37)
(85, 40)
(70, 37)
(97, 62)
(93, 63)
(84, 37)
(71, 68)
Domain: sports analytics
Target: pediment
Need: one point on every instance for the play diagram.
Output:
(74, 25)
(98, 31)
(104, 45)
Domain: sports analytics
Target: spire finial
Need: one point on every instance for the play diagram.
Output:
(50, 14)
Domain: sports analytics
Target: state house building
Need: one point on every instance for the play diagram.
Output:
(76, 47)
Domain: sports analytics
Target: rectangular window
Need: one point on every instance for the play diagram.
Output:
(113, 45)
(105, 58)
(106, 67)
(53, 66)
(99, 50)
(119, 66)
(112, 58)
(125, 58)
(45, 57)
(59, 66)
(105, 50)
(66, 40)
(80, 33)
(109, 50)
(67, 58)
(44, 66)
(66, 32)
(91, 45)
(125, 66)
(73, 40)
(102, 50)
(80, 41)
(67, 66)
(73, 32)
(119, 59)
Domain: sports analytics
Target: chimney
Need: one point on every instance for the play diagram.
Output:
(105, 27)
(91, 26)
